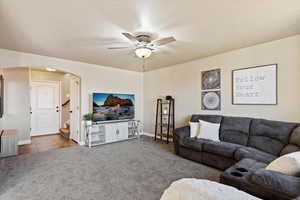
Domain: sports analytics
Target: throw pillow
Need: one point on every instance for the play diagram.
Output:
(194, 129)
(288, 164)
(208, 130)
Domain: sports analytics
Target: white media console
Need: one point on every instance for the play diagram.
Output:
(114, 131)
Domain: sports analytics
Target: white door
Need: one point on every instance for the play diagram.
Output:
(75, 109)
(45, 108)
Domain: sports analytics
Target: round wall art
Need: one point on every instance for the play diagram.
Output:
(211, 79)
(211, 100)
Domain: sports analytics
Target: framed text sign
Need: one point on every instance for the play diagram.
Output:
(255, 85)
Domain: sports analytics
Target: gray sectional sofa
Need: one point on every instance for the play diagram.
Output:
(246, 147)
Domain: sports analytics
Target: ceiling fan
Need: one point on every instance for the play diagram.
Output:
(144, 45)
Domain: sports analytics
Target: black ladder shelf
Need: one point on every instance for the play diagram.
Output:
(165, 120)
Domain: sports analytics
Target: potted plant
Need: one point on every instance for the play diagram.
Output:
(88, 118)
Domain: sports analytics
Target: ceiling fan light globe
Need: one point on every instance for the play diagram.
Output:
(143, 52)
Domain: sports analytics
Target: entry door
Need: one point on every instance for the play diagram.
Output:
(45, 108)
(75, 109)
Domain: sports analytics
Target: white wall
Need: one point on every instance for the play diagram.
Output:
(1, 121)
(38, 75)
(17, 101)
(94, 78)
(184, 83)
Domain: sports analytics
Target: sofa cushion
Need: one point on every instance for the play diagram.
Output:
(252, 153)
(190, 154)
(221, 148)
(216, 161)
(209, 118)
(270, 136)
(276, 183)
(235, 130)
(193, 143)
(294, 142)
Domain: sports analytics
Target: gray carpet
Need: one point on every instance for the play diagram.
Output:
(131, 170)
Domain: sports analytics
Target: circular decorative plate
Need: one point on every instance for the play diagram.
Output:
(211, 100)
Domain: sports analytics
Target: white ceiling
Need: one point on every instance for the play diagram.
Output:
(83, 30)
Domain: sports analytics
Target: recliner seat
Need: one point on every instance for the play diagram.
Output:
(240, 138)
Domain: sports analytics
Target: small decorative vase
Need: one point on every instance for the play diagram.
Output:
(88, 122)
(168, 97)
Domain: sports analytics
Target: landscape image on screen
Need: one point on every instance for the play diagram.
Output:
(113, 106)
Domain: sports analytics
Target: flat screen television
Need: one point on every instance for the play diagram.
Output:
(107, 107)
(1, 95)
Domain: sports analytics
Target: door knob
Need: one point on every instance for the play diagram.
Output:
(70, 111)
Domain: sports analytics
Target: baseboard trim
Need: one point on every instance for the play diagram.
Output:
(148, 134)
(22, 142)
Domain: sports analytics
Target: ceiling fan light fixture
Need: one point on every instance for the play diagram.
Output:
(143, 52)
(50, 69)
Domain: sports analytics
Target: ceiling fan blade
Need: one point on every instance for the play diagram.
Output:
(130, 37)
(164, 41)
(118, 47)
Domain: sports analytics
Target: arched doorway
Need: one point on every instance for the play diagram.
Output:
(40, 101)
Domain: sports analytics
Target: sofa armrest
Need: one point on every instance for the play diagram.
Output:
(182, 132)
(179, 134)
(277, 182)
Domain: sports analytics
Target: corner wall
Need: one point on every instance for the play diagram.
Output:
(17, 102)
(183, 82)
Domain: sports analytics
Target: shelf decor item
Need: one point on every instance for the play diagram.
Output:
(255, 85)
(168, 97)
(165, 119)
(88, 118)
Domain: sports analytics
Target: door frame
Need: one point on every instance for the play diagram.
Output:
(59, 102)
(79, 138)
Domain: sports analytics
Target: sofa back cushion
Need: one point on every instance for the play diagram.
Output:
(209, 118)
(235, 130)
(294, 142)
(270, 136)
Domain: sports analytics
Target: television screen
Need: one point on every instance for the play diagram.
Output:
(113, 106)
